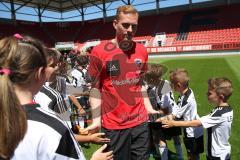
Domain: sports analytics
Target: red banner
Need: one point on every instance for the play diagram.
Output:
(190, 48)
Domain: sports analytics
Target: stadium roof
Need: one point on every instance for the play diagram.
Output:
(71, 10)
(60, 5)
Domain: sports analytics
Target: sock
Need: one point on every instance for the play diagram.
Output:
(178, 148)
(197, 157)
(163, 152)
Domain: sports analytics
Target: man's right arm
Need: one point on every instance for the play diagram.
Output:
(94, 75)
(95, 103)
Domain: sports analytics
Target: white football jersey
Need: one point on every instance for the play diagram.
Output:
(218, 124)
(79, 79)
(187, 109)
(160, 97)
(47, 138)
(49, 98)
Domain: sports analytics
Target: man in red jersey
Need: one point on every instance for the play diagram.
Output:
(118, 100)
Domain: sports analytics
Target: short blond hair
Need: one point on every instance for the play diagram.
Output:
(126, 9)
(179, 75)
(222, 86)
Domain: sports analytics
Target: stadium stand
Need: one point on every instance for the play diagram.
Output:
(214, 28)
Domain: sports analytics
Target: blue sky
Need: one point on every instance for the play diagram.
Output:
(48, 16)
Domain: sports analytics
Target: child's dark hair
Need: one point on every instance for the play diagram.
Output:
(154, 73)
(82, 60)
(52, 53)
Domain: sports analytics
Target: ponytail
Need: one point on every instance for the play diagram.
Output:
(12, 118)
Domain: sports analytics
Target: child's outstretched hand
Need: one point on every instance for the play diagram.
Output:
(167, 117)
(159, 120)
(101, 155)
(98, 138)
(167, 123)
(93, 128)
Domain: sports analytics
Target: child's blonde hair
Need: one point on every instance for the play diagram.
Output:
(179, 75)
(221, 86)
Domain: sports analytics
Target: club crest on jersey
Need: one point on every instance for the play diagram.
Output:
(113, 68)
(138, 62)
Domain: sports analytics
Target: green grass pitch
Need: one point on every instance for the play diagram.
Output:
(200, 70)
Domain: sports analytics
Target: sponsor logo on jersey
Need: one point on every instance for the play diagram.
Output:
(113, 68)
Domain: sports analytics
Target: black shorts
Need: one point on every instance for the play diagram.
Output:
(194, 145)
(163, 133)
(173, 131)
(218, 158)
(84, 101)
(129, 144)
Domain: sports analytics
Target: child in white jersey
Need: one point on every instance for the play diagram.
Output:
(162, 99)
(187, 109)
(218, 122)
